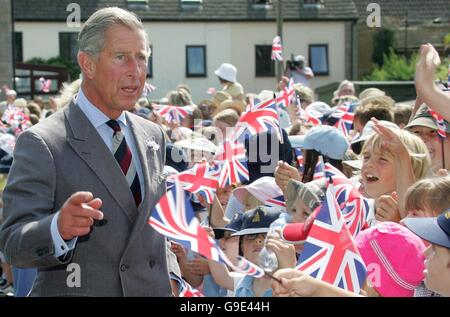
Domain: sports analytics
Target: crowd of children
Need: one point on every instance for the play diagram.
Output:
(396, 156)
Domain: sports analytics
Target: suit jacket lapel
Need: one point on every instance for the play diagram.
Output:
(88, 144)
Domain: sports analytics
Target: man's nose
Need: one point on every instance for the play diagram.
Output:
(134, 68)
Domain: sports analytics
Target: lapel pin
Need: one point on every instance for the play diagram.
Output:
(153, 145)
(162, 177)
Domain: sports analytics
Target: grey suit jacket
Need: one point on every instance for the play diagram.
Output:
(122, 255)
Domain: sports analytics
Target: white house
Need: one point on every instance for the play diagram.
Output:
(191, 38)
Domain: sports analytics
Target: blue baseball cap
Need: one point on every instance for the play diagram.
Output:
(325, 139)
(257, 220)
(435, 230)
(234, 225)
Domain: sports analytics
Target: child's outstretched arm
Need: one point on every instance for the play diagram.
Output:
(296, 283)
(425, 87)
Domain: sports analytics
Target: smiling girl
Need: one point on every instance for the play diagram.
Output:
(392, 162)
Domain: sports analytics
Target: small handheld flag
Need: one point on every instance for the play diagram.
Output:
(277, 49)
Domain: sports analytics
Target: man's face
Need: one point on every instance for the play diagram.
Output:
(118, 74)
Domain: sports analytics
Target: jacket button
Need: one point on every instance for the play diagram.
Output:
(123, 267)
(152, 263)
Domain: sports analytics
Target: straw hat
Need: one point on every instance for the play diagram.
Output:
(236, 105)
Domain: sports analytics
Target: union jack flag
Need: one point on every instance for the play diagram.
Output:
(184, 288)
(248, 268)
(275, 202)
(330, 253)
(344, 113)
(17, 120)
(440, 123)
(276, 49)
(307, 117)
(173, 113)
(45, 84)
(201, 179)
(319, 169)
(262, 116)
(354, 207)
(148, 88)
(299, 158)
(232, 159)
(173, 217)
(285, 96)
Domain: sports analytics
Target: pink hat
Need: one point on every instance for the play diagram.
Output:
(397, 254)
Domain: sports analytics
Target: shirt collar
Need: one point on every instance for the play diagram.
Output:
(95, 116)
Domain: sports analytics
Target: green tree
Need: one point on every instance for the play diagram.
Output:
(394, 67)
(382, 42)
(398, 67)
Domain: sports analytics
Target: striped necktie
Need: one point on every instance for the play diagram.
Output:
(123, 155)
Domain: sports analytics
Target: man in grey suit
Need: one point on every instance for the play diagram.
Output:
(84, 180)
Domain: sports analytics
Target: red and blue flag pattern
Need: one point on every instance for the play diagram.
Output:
(330, 253)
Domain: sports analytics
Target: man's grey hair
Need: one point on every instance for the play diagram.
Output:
(91, 39)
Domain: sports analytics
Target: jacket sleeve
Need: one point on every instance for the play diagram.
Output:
(25, 236)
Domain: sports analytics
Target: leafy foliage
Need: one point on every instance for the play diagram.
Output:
(399, 67)
(382, 42)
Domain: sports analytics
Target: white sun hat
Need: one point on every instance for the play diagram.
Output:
(227, 71)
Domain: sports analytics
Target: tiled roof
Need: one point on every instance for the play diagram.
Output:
(172, 10)
(419, 11)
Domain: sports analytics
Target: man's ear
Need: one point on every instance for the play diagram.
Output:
(87, 64)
